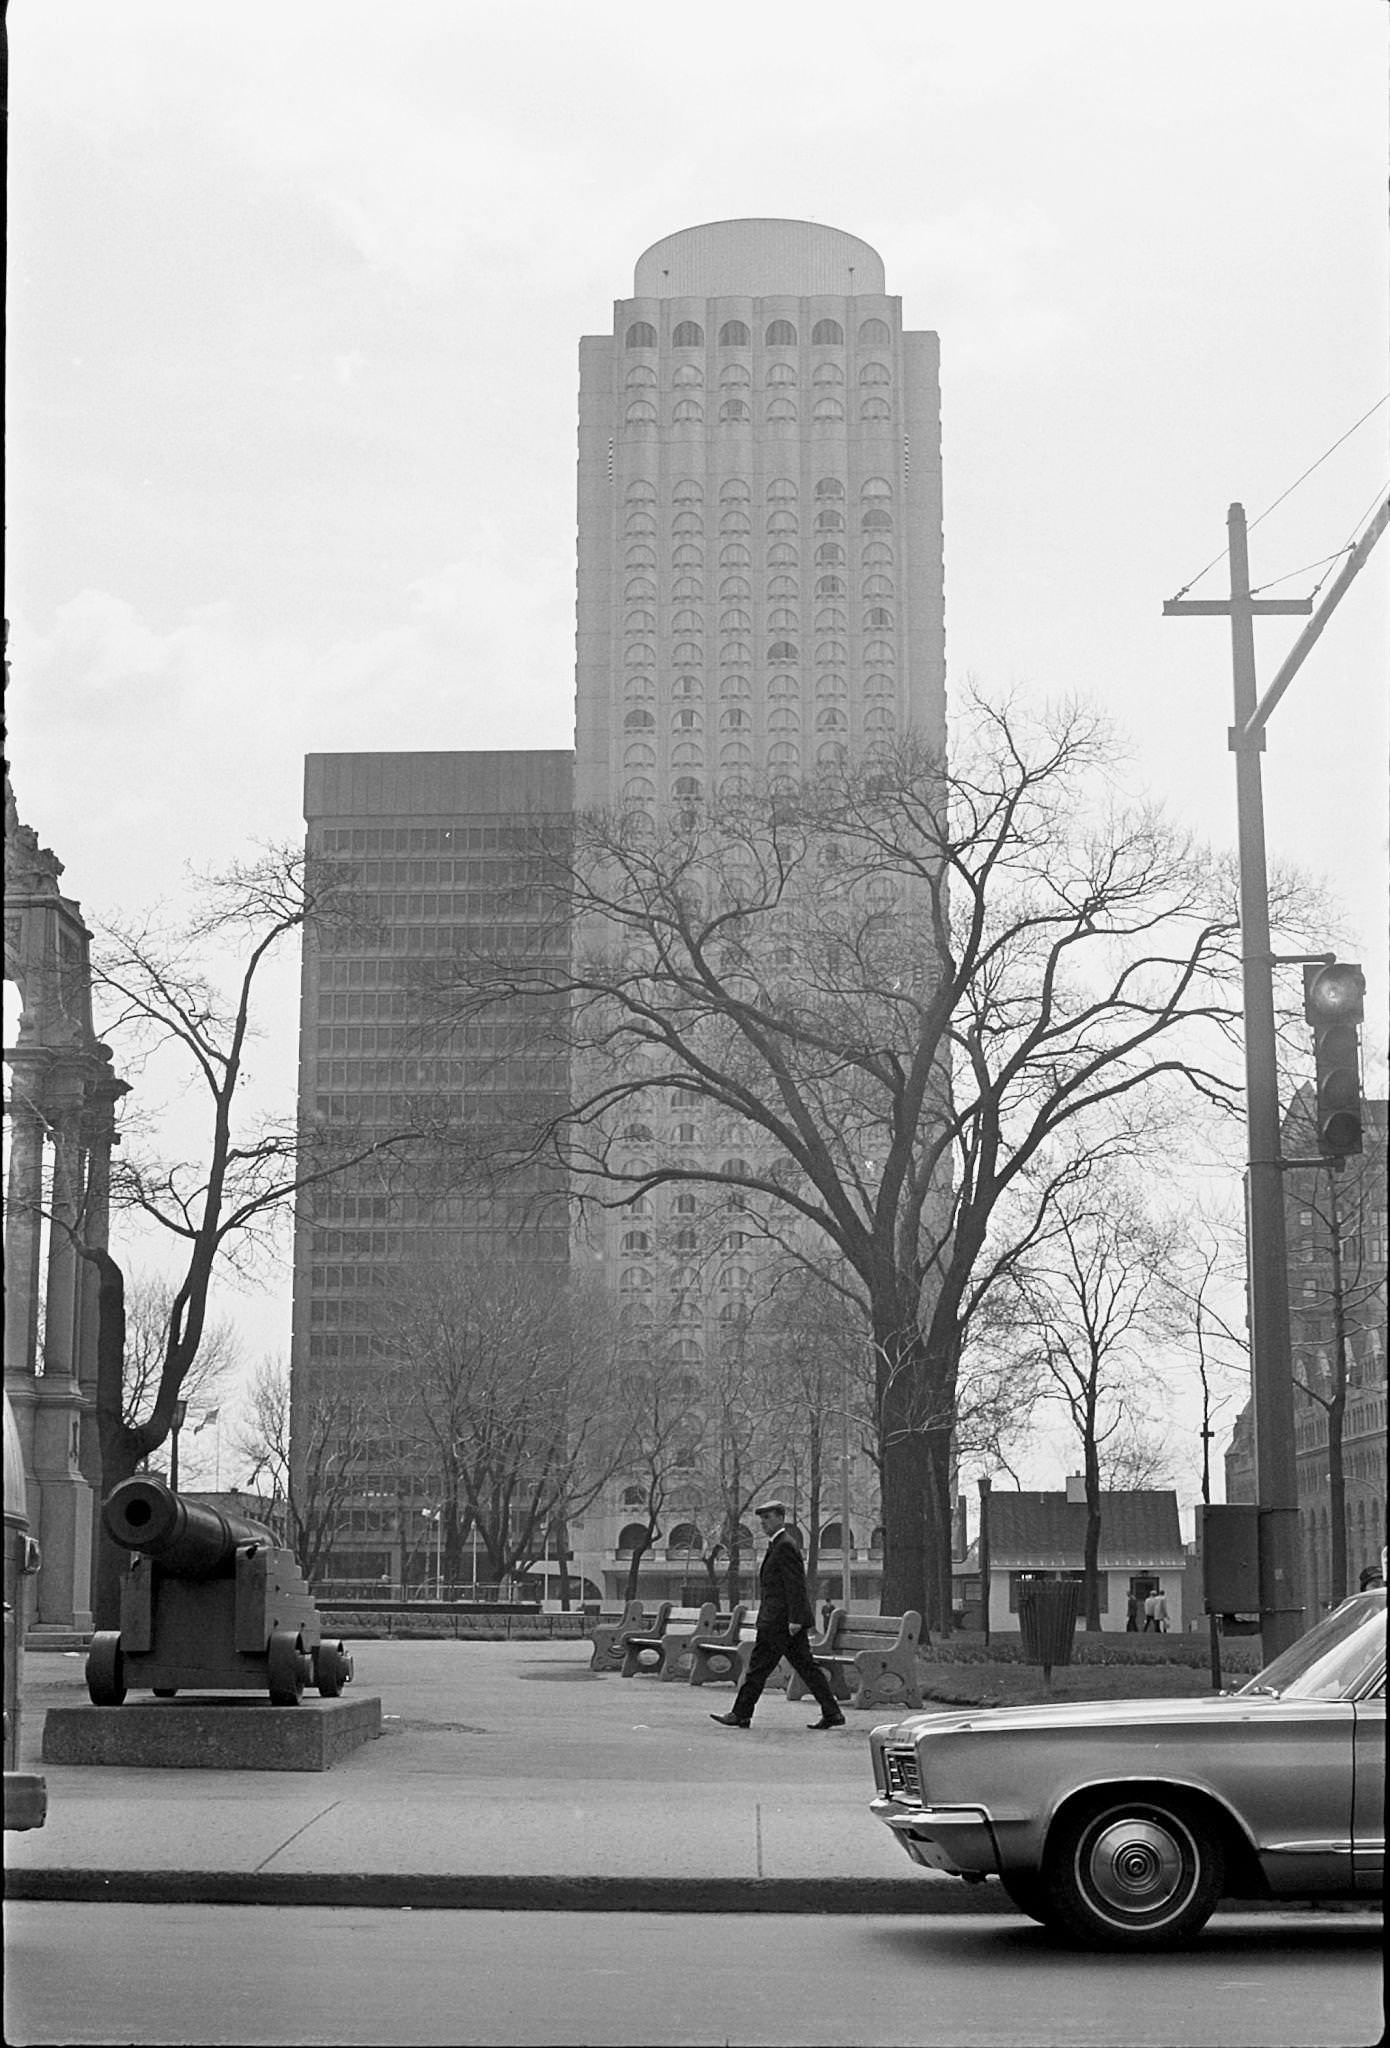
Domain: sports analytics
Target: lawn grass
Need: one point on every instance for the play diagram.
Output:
(961, 1670)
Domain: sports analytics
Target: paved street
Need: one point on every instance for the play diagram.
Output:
(213, 1975)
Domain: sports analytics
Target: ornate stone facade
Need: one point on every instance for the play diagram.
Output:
(60, 1103)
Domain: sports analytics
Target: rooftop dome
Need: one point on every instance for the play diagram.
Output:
(758, 259)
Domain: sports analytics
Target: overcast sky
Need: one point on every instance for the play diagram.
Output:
(295, 295)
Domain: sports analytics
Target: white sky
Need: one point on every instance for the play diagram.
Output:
(295, 294)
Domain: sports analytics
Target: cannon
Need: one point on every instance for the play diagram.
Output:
(210, 1602)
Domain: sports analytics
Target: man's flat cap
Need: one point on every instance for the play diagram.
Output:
(771, 1507)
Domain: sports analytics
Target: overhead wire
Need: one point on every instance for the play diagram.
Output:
(1288, 493)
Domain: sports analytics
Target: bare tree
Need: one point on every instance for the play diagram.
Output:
(907, 984)
(162, 998)
(311, 1496)
(1093, 1294)
(507, 1385)
(148, 1301)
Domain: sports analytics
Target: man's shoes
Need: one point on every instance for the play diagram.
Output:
(828, 1721)
(730, 1721)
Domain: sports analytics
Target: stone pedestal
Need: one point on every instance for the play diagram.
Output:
(224, 1733)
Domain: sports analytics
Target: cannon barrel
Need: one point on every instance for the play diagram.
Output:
(186, 1537)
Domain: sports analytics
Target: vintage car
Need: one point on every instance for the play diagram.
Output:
(1123, 1822)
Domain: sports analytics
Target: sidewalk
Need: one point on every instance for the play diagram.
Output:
(507, 1775)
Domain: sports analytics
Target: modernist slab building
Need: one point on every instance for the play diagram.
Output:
(436, 842)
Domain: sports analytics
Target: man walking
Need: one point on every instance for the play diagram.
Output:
(784, 1615)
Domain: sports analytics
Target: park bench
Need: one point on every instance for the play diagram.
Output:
(871, 1659)
(646, 1650)
(610, 1646)
(713, 1655)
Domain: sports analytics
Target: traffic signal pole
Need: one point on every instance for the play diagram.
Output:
(1267, 1279)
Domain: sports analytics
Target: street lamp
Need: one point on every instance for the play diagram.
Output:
(436, 1515)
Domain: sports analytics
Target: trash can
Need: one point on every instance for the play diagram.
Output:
(1047, 1610)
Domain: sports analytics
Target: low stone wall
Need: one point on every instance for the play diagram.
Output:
(409, 1622)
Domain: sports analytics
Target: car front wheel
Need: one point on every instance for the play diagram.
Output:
(1135, 1872)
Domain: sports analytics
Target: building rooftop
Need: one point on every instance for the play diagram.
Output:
(1047, 1532)
(758, 259)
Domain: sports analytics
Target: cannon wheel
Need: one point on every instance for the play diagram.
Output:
(106, 1669)
(330, 1669)
(285, 1665)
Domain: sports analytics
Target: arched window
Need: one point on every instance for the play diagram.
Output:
(688, 409)
(734, 409)
(830, 487)
(879, 615)
(685, 1536)
(876, 487)
(735, 377)
(636, 1241)
(782, 586)
(784, 717)
(641, 334)
(735, 520)
(830, 520)
(781, 373)
(733, 554)
(687, 787)
(688, 686)
(828, 409)
(781, 409)
(830, 586)
(831, 1536)
(688, 492)
(782, 650)
(641, 413)
(876, 517)
(782, 521)
(734, 334)
(688, 334)
(633, 1536)
(827, 373)
(830, 718)
(781, 334)
(781, 554)
(875, 409)
(735, 492)
(875, 373)
(830, 551)
(689, 374)
(638, 376)
(735, 586)
(827, 333)
(873, 332)
(638, 720)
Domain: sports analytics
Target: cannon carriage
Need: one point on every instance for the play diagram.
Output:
(210, 1602)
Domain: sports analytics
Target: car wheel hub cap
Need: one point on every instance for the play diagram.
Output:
(1135, 1866)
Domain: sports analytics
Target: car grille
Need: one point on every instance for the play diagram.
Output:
(900, 1770)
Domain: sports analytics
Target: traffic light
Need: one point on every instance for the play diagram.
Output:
(1333, 1003)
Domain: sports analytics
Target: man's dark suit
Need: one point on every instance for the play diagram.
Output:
(783, 1600)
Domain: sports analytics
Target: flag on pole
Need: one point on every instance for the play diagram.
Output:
(211, 1415)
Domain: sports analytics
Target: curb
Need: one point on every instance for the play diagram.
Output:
(849, 1897)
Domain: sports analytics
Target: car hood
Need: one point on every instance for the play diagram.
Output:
(1069, 1714)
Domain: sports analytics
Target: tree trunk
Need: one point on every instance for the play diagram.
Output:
(1090, 1588)
(915, 1452)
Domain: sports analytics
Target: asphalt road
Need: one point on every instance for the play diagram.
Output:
(200, 1976)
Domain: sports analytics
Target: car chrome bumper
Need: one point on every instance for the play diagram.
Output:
(956, 1839)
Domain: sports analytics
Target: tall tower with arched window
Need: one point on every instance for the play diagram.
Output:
(760, 534)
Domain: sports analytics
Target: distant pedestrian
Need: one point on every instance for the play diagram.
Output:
(1132, 1613)
(1156, 1613)
(784, 1615)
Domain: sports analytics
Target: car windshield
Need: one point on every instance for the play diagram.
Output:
(1334, 1660)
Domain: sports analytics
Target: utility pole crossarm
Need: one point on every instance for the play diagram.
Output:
(1219, 607)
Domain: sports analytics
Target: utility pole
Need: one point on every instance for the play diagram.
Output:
(1271, 1357)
